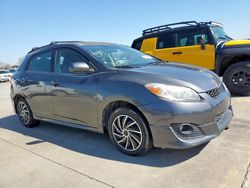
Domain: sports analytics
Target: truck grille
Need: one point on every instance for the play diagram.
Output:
(215, 92)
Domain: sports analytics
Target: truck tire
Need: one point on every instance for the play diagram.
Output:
(237, 78)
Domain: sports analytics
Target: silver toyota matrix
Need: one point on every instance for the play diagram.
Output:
(137, 99)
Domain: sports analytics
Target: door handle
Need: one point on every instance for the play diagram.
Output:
(177, 53)
(54, 83)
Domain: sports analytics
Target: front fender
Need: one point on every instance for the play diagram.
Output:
(225, 55)
(113, 88)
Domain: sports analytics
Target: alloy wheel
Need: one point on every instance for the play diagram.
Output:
(241, 79)
(127, 133)
(23, 112)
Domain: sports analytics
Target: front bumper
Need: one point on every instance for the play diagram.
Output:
(4, 79)
(211, 116)
(166, 137)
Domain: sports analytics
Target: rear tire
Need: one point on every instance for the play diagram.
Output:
(237, 78)
(25, 114)
(129, 132)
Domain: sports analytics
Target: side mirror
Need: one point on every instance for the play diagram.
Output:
(79, 67)
(203, 44)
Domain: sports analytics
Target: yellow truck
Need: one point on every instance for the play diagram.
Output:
(203, 44)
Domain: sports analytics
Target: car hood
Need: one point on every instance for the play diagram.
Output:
(199, 79)
(237, 42)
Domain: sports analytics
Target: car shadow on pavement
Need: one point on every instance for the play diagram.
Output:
(94, 144)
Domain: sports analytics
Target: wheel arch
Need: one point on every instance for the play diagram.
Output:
(16, 98)
(232, 60)
(112, 106)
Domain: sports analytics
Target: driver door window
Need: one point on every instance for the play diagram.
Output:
(66, 56)
(191, 38)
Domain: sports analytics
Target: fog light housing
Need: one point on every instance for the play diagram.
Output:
(187, 130)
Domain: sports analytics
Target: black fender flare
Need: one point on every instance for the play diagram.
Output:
(227, 55)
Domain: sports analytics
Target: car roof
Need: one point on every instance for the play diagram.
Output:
(77, 43)
(87, 43)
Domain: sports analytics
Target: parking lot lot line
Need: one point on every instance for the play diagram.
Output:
(246, 181)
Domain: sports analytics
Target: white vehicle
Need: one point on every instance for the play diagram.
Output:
(5, 75)
(12, 71)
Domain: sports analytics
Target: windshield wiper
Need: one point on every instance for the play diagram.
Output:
(124, 66)
(136, 66)
(153, 63)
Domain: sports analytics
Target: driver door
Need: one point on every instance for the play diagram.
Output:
(185, 47)
(73, 95)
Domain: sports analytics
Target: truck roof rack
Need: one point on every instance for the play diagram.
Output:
(211, 23)
(169, 26)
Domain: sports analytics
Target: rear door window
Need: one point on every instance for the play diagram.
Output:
(41, 62)
(166, 40)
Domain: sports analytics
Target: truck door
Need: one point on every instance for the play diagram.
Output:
(185, 47)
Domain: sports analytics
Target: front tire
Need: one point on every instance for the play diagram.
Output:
(25, 114)
(237, 78)
(129, 132)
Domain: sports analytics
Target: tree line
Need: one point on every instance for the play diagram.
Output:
(9, 66)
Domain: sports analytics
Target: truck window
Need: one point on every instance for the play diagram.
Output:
(190, 38)
(166, 40)
(182, 38)
(137, 44)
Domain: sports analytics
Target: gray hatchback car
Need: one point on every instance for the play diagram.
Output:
(139, 100)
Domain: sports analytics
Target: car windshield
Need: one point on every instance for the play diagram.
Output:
(220, 34)
(118, 56)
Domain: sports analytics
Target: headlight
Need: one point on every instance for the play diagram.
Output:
(173, 93)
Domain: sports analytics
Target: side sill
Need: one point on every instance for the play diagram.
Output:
(73, 125)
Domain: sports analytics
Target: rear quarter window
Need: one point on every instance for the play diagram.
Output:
(166, 40)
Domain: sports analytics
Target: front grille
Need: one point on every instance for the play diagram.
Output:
(215, 92)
